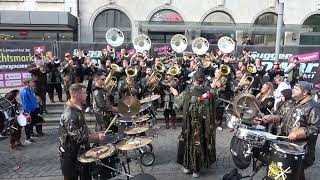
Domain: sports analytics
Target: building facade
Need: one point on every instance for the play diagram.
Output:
(39, 20)
(161, 19)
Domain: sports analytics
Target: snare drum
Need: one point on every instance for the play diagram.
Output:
(147, 109)
(287, 159)
(255, 138)
(123, 123)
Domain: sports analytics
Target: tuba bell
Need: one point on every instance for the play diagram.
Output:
(179, 43)
(114, 37)
(226, 44)
(141, 43)
(200, 46)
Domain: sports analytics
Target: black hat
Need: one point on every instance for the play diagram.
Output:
(199, 76)
(286, 93)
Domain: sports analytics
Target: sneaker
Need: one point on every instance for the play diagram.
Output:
(195, 175)
(27, 142)
(185, 170)
(87, 110)
(219, 128)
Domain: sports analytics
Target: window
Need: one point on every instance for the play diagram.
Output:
(168, 17)
(217, 18)
(311, 38)
(266, 19)
(111, 18)
(37, 35)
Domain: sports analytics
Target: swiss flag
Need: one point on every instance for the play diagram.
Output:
(39, 49)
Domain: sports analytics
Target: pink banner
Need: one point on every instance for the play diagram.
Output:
(306, 57)
(13, 78)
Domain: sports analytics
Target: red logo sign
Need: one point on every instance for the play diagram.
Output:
(39, 49)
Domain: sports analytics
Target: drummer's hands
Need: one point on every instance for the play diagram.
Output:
(101, 136)
(114, 109)
(292, 135)
(267, 118)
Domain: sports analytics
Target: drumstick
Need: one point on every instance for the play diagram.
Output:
(113, 120)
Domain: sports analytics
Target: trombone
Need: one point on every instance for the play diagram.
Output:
(170, 80)
(111, 80)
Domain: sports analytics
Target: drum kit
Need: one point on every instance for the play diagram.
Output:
(284, 160)
(113, 152)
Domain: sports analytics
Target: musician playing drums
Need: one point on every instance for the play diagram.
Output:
(300, 121)
(74, 134)
(197, 140)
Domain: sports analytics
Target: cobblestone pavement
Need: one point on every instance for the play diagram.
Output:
(40, 161)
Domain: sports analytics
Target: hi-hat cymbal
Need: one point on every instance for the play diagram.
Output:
(96, 153)
(136, 130)
(129, 106)
(149, 98)
(133, 143)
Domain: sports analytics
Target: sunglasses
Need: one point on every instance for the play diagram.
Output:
(103, 79)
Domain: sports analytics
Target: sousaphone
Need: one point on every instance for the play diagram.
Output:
(226, 44)
(141, 43)
(179, 43)
(200, 45)
(114, 37)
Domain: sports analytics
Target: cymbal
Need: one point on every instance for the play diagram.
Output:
(145, 106)
(129, 106)
(133, 143)
(136, 130)
(134, 119)
(150, 98)
(96, 153)
(247, 104)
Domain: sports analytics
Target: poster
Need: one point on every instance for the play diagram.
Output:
(15, 58)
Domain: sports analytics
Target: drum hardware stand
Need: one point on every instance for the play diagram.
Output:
(101, 164)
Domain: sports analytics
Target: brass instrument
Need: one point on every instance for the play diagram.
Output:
(251, 68)
(200, 45)
(114, 37)
(224, 71)
(131, 72)
(126, 55)
(173, 71)
(155, 77)
(57, 61)
(114, 68)
(247, 81)
(172, 82)
(112, 83)
(188, 56)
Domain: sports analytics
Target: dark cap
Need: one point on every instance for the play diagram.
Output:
(199, 76)
(304, 86)
(286, 93)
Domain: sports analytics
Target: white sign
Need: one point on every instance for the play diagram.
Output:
(12, 76)
(1, 76)
(1, 84)
(13, 83)
(26, 75)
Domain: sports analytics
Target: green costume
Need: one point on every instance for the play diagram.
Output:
(196, 147)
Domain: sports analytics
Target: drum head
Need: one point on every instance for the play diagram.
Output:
(237, 148)
(288, 148)
(22, 120)
(143, 176)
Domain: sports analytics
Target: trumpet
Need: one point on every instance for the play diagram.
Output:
(224, 71)
(57, 61)
(188, 56)
(251, 69)
(156, 76)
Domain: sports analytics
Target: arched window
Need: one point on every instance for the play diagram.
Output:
(217, 18)
(168, 17)
(111, 18)
(265, 38)
(311, 38)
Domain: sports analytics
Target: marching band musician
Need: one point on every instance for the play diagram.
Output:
(78, 60)
(69, 73)
(74, 135)
(219, 84)
(102, 105)
(240, 84)
(197, 140)
(258, 76)
(88, 71)
(300, 121)
(54, 78)
(107, 54)
(39, 74)
(265, 98)
(294, 71)
(276, 70)
(168, 100)
(128, 86)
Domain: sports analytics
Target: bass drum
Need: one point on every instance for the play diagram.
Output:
(237, 149)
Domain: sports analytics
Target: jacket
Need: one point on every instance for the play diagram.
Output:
(28, 100)
(101, 103)
(306, 114)
(73, 131)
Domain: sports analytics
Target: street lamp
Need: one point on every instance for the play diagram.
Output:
(279, 28)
